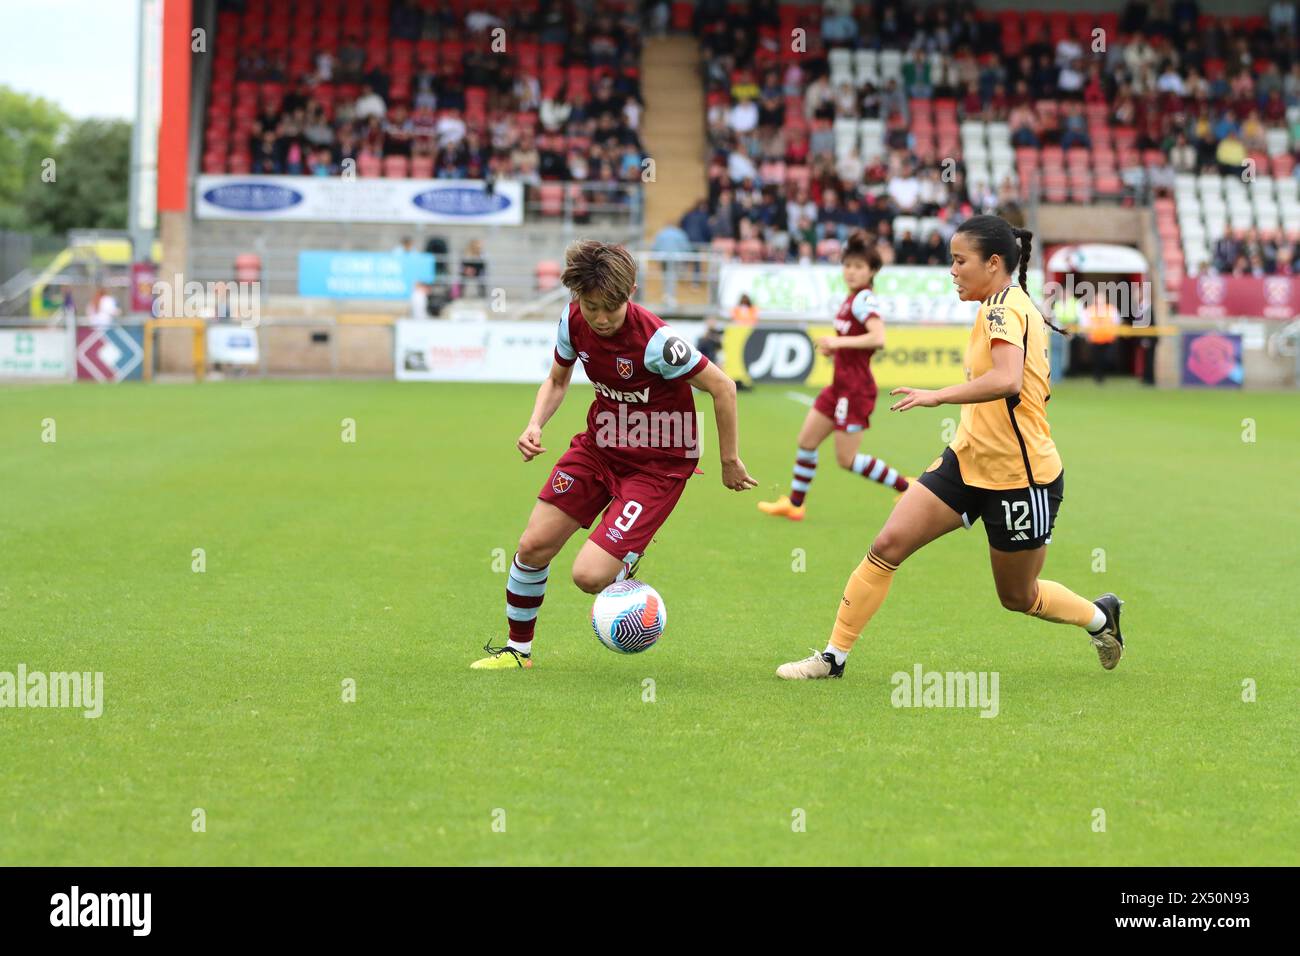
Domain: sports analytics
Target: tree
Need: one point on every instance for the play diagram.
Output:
(90, 184)
(29, 129)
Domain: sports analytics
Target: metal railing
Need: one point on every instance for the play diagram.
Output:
(574, 204)
(1285, 342)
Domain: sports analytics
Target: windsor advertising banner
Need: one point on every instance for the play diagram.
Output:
(491, 351)
(334, 199)
(918, 294)
(920, 356)
(1270, 297)
(34, 353)
(362, 275)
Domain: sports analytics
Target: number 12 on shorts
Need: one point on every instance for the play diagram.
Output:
(1021, 523)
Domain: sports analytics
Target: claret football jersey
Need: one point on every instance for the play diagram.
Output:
(643, 410)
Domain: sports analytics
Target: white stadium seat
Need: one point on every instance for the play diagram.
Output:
(1279, 142)
(866, 66)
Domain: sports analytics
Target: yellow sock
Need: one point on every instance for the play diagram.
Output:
(1056, 602)
(863, 596)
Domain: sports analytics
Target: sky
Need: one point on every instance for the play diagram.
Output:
(78, 53)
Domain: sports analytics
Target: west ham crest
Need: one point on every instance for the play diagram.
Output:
(623, 367)
(561, 482)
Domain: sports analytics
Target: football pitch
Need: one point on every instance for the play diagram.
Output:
(237, 570)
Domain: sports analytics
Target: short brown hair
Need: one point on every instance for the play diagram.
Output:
(601, 272)
(862, 245)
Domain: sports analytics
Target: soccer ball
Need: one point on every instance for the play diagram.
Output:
(628, 617)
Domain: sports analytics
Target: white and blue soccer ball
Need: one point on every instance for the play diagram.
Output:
(629, 617)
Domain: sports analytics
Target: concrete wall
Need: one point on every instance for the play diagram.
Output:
(1066, 223)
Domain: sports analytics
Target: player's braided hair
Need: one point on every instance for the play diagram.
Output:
(992, 236)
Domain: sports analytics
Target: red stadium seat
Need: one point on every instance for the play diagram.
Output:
(551, 199)
(750, 250)
(1125, 137)
(528, 57)
(426, 54)
(397, 167)
(798, 177)
(548, 275)
(421, 167)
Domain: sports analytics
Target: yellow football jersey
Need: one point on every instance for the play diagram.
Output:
(1007, 443)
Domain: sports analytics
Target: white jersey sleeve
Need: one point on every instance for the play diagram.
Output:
(669, 355)
(866, 305)
(563, 347)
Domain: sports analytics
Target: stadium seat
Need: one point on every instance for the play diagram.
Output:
(547, 274)
(798, 177)
(866, 67)
(551, 199)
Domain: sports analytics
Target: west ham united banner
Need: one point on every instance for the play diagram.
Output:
(1269, 297)
(332, 199)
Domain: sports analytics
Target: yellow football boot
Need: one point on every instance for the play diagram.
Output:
(502, 658)
(782, 508)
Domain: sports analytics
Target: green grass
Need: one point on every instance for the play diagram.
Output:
(374, 561)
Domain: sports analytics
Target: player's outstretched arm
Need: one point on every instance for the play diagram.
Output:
(1003, 380)
(711, 379)
(549, 397)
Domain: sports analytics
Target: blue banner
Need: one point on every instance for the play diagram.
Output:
(362, 275)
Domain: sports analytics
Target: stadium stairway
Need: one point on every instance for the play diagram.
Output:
(673, 128)
(672, 132)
